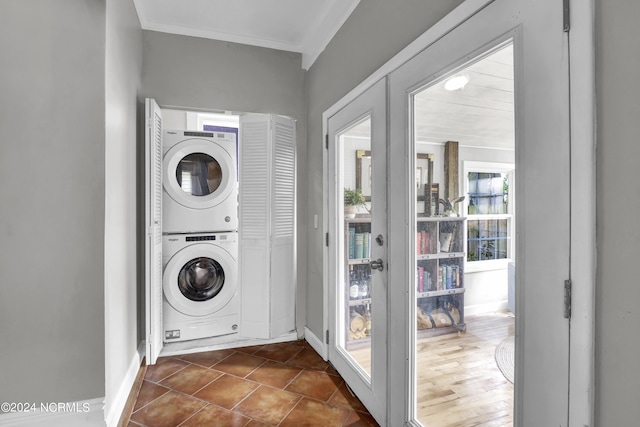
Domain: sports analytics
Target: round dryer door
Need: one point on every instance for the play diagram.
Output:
(198, 174)
(200, 279)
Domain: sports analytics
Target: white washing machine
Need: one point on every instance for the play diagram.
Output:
(200, 285)
(199, 181)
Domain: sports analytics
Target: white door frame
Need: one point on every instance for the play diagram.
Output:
(583, 200)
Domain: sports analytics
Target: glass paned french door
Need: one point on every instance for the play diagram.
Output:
(468, 96)
(357, 247)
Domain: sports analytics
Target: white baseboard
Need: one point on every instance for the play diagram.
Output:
(220, 343)
(316, 343)
(470, 310)
(114, 411)
(85, 413)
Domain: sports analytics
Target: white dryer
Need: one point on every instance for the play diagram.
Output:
(199, 181)
(200, 285)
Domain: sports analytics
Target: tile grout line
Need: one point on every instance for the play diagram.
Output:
(150, 402)
(290, 411)
(222, 374)
(173, 373)
(192, 415)
(302, 369)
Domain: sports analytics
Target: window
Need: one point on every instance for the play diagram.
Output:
(489, 190)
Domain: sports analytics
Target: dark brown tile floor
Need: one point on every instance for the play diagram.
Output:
(284, 384)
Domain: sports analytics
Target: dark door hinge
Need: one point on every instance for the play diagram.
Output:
(326, 337)
(326, 239)
(567, 299)
(566, 20)
(326, 141)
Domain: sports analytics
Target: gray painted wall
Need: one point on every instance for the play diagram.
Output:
(52, 209)
(198, 74)
(618, 201)
(373, 34)
(122, 83)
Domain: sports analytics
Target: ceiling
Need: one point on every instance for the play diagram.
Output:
(479, 115)
(304, 26)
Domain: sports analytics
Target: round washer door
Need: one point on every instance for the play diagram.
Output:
(198, 174)
(200, 279)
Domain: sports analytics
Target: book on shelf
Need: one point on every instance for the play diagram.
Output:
(426, 242)
(423, 242)
(420, 279)
(366, 245)
(449, 277)
(352, 241)
(358, 245)
(446, 240)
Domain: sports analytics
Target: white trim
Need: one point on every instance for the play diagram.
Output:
(460, 14)
(220, 343)
(114, 412)
(316, 343)
(470, 310)
(583, 214)
(336, 12)
(83, 413)
(480, 166)
(486, 265)
(317, 38)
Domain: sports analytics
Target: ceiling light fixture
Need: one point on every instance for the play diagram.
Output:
(456, 82)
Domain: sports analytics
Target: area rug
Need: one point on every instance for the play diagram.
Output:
(505, 356)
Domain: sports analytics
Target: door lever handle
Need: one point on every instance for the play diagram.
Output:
(377, 264)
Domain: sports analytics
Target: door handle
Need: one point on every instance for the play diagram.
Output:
(377, 264)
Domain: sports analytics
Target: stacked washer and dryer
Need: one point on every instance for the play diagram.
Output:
(200, 235)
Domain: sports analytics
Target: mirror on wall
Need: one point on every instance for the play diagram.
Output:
(423, 176)
(363, 173)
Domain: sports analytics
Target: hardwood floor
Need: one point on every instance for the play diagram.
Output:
(458, 381)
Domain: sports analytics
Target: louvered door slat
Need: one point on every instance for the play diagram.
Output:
(267, 225)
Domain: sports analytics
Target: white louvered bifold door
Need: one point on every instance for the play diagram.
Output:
(283, 256)
(153, 230)
(267, 225)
